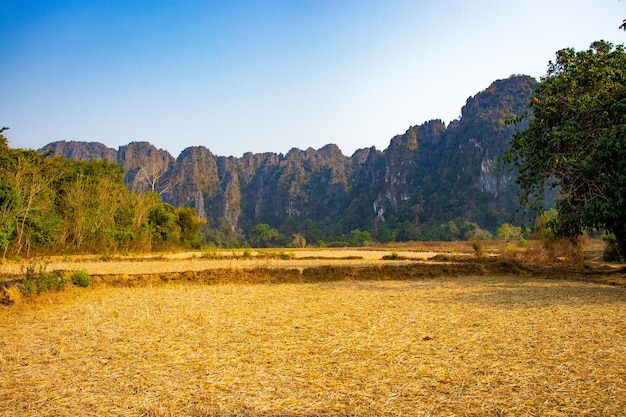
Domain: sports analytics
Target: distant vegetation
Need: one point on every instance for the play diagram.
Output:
(51, 204)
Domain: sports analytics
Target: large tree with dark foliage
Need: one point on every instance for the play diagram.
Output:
(576, 141)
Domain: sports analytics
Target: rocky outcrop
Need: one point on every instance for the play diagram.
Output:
(431, 174)
(81, 150)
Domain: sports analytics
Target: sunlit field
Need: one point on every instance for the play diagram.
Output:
(222, 259)
(488, 345)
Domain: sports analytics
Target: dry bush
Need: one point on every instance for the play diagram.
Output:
(548, 252)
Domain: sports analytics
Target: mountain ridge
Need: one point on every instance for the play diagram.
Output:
(425, 179)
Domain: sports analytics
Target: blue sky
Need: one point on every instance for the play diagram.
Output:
(267, 76)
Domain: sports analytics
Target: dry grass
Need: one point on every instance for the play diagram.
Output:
(198, 261)
(536, 253)
(465, 346)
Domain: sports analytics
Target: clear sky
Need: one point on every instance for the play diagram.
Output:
(266, 76)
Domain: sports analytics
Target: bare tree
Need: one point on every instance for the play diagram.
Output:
(151, 167)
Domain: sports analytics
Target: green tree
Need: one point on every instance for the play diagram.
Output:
(359, 237)
(576, 142)
(96, 207)
(164, 227)
(27, 182)
(509, 232)
(9, 198)
(190, 226)
(264, 236)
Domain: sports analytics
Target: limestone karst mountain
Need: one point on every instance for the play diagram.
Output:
(430, 180)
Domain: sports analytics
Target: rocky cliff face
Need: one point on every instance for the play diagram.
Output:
(82, 150)
(431, 174)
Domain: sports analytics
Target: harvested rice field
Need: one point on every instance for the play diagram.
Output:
(476, 345)
(198, 261)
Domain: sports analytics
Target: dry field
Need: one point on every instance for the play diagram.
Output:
(476, 345)
(223, 259)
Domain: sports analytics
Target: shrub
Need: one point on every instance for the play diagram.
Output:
(611, 251)
(394, 256)
(81, 279)
(477, 246)
(510, 250)
(549, 251)
(509, 232)
(37, 280)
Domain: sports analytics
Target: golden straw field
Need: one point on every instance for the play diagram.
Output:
(464, 345)
(198, 261)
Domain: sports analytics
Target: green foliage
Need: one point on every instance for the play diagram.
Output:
(9, 200)
(49, 203)
(509, 232)
(37, 280)
(471, 231)
(384, 233)
(360, 238)
(477, 246)
(190, 226)
(576, 142)
(80, 278)
(543, 229)
(611, 251)
(163, 223)
(264, 236)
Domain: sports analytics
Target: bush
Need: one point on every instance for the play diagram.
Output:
(477, 246)
(510, 251)
(37, 280)
(611, 252)
(393, 256)
(549, 251)
(81, 279)
(509, 232)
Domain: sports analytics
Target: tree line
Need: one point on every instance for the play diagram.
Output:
(51, 204)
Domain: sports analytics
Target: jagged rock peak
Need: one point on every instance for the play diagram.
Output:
(427, 176)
